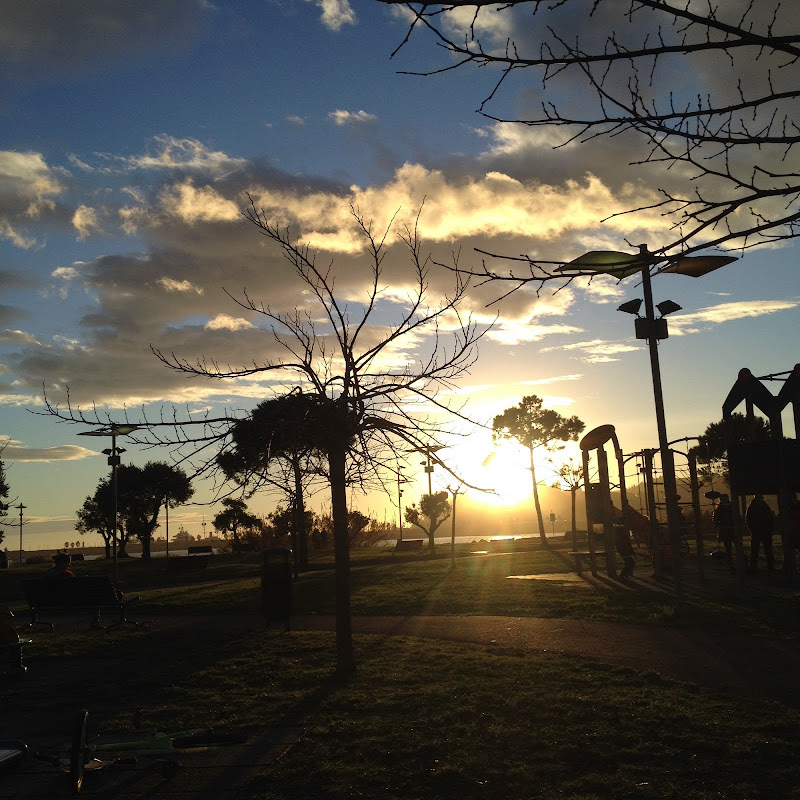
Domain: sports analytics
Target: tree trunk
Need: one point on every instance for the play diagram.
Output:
(345, 659)
(573, 491)
(145, 540)
(536, 503)
(300, 516)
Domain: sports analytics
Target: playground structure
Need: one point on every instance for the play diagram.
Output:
(770, 467)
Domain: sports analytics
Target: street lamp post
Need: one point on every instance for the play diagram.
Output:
(400, 502)
(454, 493)
(621, 265)
(113, 430)
(21, 509)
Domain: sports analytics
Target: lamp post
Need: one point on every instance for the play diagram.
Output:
(113, 430)
(400, 480)
(454, 494)
(652, 329)
(21, 509)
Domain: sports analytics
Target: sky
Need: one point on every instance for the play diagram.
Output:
(130, 137)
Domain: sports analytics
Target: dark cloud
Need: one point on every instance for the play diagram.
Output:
(42, 40)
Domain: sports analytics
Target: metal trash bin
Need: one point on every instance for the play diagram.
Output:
(276, 585)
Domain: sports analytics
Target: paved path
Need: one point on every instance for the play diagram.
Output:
(744, 665)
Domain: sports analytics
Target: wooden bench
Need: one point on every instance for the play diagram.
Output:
(200, 550)
(187, 563)
(93, 593)
(408, 545)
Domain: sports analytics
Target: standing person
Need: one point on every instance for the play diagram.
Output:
(760, 522)
(723, 523)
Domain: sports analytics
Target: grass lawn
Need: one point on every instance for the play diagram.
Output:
(421, 718)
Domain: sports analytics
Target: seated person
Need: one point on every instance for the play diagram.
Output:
(60, 568)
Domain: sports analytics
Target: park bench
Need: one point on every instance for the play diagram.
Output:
(196, 561)
(92, 592)
(408, 545)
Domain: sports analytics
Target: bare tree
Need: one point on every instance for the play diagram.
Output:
(706, 92)
(356, 404)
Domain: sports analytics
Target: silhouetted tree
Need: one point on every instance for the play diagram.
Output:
(96, 515)
(234, 517)
(268, 449)
(433, 507)
(649, 72)
(533, 426)
(141, 494)
(573, 478)
(353, 408)
(712, 449)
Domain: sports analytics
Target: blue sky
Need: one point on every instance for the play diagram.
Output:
(129, 134)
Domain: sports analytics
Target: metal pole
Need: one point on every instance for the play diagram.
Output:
(166, 511)
(20, 507)
(429, 469)
(667, 461)
(400, 505)
(114, 463)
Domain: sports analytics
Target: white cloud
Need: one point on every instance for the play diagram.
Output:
(85, 221)
(172, 285)
(27, 188)
(17, 337)
(335, 13)
(727, 312)
(228, 323)
(185, 155)
(556, 379)
(203, 204)
(340, 117)
(595, 351)
(510, 333)
(297, 122)
(65, 452)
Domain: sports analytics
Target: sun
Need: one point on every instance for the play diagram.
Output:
(503, 469)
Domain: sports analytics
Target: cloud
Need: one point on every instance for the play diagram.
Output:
(41, 41)
(510, 333)
(195, 253)
(27, 188)
(556, 379)
(295, 121)
(13, 452)
(335, 13)
(595, 351)
(172, 285)
(85, 221)
(228, 323)
(180, 155)
(681, 324)
(342, 118)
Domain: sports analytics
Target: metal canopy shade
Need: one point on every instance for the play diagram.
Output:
(610, 262)
(596, 437)
(697, 266)
(119, 430)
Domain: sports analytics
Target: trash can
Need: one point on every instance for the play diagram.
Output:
(276, 585)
